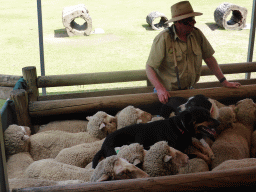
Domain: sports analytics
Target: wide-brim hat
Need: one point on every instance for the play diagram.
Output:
(182, 10)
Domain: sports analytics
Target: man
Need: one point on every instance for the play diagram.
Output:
(188, 46)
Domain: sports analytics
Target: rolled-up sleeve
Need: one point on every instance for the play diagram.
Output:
(157, 52)
(207, 50)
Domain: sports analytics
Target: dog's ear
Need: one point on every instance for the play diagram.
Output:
(186, 117)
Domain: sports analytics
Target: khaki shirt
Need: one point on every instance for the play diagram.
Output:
(189, 58)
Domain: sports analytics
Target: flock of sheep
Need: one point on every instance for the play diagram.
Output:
(61, 152)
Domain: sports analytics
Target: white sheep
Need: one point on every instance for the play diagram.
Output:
(79, 155)
(50, 169)
(234, 142)
(16, 139)
(115, 168)
(235, 164)
(133, 153)
(25, 182)
(161, 160)
(17, 164)
(101, 124)
(72, 126)
(49, 143)
(131, 115)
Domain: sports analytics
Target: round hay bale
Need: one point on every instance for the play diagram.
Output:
(237, 20)
(70, 14)
(151, 18)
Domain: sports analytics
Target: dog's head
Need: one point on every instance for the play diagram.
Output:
(199, 122)
(201, 101)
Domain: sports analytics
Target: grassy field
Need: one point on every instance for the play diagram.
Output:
(125, 45)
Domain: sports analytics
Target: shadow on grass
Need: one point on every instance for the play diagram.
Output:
(149, 28)
(214, 26)
(60, 33)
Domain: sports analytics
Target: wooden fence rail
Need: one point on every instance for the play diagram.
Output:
(7, 82)
(125, 76)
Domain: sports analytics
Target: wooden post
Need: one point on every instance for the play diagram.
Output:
(30, 75)
(20, 98)
(4, 187)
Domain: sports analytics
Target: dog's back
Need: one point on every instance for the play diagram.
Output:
(146, 134)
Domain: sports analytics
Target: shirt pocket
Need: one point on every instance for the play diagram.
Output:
(197, 53)
(170, 56)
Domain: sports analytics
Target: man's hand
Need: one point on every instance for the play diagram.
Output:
(231, 84)
(163, 95)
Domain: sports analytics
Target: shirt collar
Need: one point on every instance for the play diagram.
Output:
(175, 33)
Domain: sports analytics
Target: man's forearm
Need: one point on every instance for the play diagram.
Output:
(214, 67)
(152, 76)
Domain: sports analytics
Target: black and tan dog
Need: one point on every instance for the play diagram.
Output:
(178, 104)
(177, 131)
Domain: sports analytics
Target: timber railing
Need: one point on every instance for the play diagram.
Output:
(29, 104)
(7, 82)
(124, 76)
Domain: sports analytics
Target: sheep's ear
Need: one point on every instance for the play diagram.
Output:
(102, 125)
(25, 137)
(144, 152)
(88, 118)
(167, 158)
(139, 121)
(136, 162)
(104, 177)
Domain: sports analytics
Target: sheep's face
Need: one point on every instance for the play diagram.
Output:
(133, 153)
(246, 111)
(125, 170)
(143, 116)
(16, 139)
(179, 158)
(109, 123)
(122, 169)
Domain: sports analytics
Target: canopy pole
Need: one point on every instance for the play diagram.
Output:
(251, 38)
(41, 41)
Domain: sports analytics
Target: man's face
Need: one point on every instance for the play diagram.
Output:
(187, 24)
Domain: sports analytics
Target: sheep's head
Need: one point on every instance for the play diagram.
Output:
(143, 116)
(133, 153)
(162, 159)
(16, 139)
(245, 111)
(101, 124)
(115, 168)
(226, 117)
(131, 115)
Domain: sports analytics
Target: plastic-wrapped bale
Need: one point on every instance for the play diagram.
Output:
(69, 14)
(237, 20)
(151, 19)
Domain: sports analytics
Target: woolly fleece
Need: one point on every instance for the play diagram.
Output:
(72, 126)
(101, 124)
(131, 115)
(154, 163)
(16, 139)
(50, 169)
(79, 155)
(132, 153)
(49, 143)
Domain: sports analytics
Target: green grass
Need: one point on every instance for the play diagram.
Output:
(125, 45)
